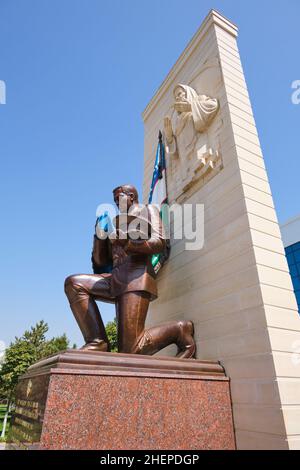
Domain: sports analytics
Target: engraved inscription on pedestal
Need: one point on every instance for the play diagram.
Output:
(27, 418)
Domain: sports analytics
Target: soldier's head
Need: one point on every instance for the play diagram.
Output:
(125, 196)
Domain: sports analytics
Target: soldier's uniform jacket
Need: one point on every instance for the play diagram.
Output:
(132, 268)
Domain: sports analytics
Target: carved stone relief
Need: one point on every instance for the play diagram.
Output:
(192, 129)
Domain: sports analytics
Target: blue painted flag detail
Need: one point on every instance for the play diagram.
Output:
(158, 195)
(104, 225)
(158, 190)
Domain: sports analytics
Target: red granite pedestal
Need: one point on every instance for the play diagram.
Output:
(84, 400)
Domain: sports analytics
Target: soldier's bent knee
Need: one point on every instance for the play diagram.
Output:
(72, 283)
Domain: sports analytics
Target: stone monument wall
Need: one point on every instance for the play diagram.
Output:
(237, 288)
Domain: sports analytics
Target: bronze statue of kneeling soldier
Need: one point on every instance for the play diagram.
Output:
(130, 285)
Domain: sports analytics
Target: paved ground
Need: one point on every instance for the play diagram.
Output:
(2, 446)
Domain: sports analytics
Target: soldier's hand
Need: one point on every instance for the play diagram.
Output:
(119, 238)
(168, 129)
(183, 107)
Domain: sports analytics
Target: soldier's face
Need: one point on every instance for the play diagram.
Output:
(123, 200)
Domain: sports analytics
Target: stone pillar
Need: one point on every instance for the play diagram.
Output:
(237, 288)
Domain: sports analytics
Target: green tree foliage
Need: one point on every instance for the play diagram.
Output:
(24, 351)
(111, 330)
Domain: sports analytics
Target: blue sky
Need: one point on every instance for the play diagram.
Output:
(78, 76)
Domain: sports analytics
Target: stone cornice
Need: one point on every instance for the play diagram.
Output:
(75, 361)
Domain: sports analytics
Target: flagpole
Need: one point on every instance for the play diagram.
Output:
(159, 196)
(162, 152)
(163, 156)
